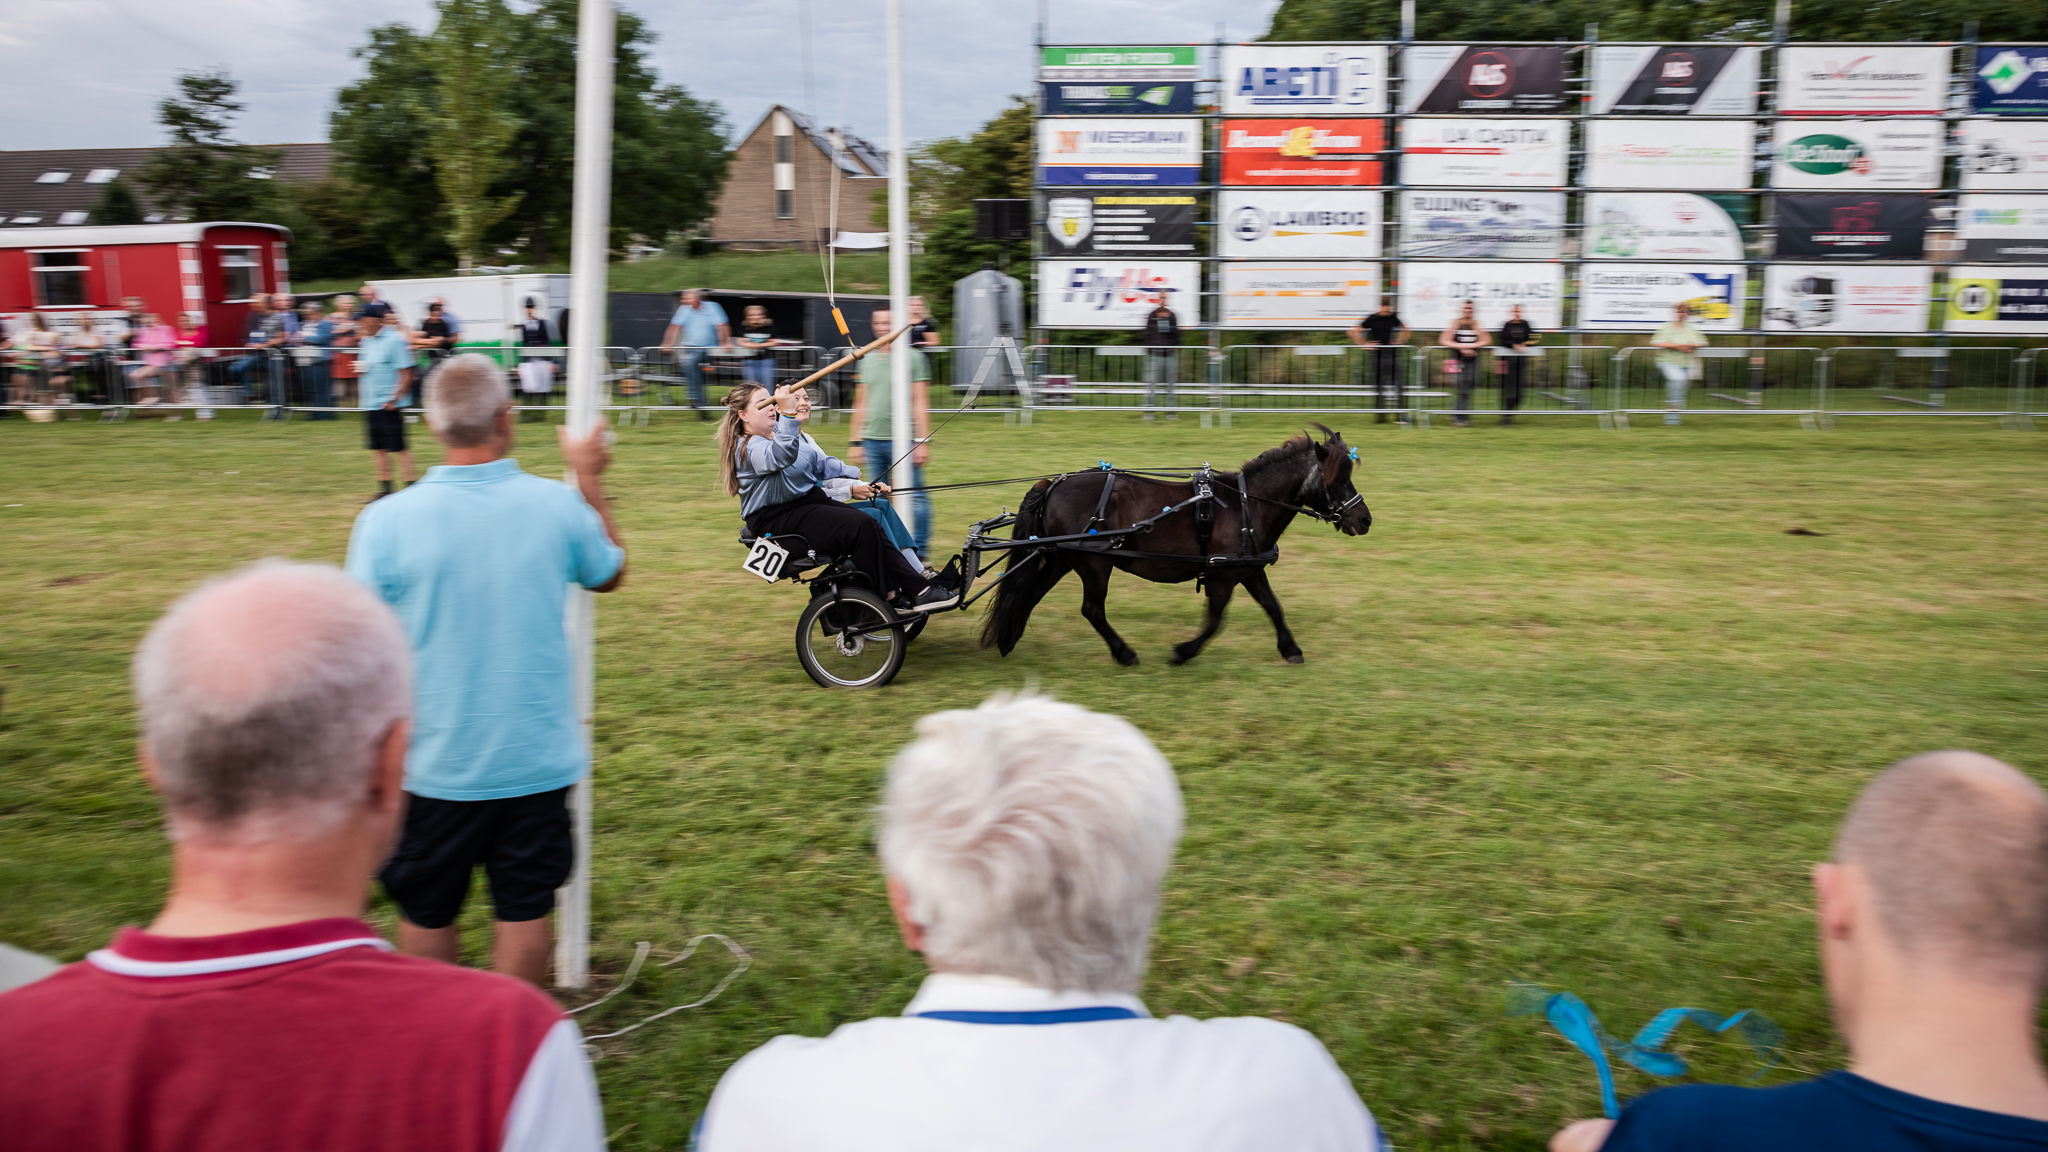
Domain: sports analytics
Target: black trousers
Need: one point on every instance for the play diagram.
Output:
(1386, 376)
(1466, 379)
(830, 527)
(1512, 384)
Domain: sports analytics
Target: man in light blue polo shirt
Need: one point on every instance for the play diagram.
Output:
(384, 361)
(477, 559)
(702, 325)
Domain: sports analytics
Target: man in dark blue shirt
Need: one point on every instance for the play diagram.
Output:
(1933, 925)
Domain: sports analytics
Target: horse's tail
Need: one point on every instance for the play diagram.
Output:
(1027, 580)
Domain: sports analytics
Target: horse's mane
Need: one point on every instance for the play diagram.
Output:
(1281, 454)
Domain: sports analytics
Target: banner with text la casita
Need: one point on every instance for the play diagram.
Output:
(2012, 80)
(1132, 151)
(2013, 300)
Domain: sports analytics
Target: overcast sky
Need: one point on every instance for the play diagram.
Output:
(88, 73)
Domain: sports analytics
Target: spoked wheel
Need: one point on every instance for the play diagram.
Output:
(849, 642)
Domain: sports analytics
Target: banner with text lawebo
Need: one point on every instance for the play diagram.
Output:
(1659, 226)
(1286, 223)
(1305, 79)
(1708, 154)
(1135, 152)
(1484, 153)
(1853, 155)
(2007, 299)
(1116, 293)
(1298, 294)
(1469, 79)
(2004, 155)
(1431, 294)
(1458, 225)
(1669, 79)
(2003, 228)
(1850, 79)
(1642, 296)
(1822, 298)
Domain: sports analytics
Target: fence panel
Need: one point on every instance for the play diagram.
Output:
(1896, 381)
(1731, 380)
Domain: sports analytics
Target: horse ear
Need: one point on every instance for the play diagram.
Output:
(1333, 460)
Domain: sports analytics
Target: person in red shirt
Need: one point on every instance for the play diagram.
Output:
(258, 1010)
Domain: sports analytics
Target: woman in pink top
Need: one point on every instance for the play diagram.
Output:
(155, 341)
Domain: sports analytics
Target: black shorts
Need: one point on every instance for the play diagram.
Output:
(523, 842)
(384, 429)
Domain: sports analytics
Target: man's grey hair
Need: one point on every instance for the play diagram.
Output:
(266, 695)
(464, 396)
(1032, 837)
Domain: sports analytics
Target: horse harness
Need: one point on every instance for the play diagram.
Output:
(1101, 540)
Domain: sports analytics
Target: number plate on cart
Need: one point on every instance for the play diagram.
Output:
(766, 559)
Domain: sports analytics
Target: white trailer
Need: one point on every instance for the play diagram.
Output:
(488, 307)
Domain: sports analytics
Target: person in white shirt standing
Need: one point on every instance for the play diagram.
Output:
(1025, 842)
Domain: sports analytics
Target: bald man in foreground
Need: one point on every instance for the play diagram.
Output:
(258, 1010)
(1933, 925)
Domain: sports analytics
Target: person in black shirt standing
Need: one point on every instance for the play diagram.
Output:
(1162, 361)
(437, 336)
(1515, 337)
(1384, 333)
(923, 333)
(1464, 337)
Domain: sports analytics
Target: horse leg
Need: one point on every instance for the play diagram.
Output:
(1262, 591)
(1094, 574)
(1220, 590)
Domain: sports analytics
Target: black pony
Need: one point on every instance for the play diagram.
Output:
(1300, 475)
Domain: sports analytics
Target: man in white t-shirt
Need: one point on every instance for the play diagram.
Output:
(1025, 842)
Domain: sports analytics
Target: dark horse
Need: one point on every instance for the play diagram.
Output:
(1300, 474)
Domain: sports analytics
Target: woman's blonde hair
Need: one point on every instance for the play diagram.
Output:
(731, 432)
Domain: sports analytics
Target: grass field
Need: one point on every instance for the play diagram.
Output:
(1578, 711)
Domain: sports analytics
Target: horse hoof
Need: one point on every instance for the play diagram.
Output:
(1180, 658)
(1127, 658)
(1297, 658)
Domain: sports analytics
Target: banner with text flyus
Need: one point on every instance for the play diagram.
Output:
(1112, 293)
(1303, 152)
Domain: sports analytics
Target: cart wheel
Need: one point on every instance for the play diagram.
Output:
(848, 642)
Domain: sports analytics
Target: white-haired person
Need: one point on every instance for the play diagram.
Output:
(258, 1010)
(1933, 926)
(1025, 842)
(477, 559)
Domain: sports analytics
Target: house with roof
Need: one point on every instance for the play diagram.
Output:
(783, 180)
(57, 187)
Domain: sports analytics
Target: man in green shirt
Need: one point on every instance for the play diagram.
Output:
(874, 414)
(1678, 347)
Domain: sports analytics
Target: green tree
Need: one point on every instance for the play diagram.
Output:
(203, 174)
(469, 122)
(117, 205)
(381, 149)
(1480, 20)
(946, 177)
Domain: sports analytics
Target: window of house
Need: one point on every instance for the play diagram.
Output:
(29, 219)
(60, 278)
(241, 273)
(784, 209)
(102, 175)
(72, 217)
(784, 149)
(53, 177)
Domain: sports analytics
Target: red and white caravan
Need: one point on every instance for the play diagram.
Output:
(208, 270)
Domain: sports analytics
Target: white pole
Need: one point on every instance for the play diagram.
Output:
(903, 428)
(589, 235)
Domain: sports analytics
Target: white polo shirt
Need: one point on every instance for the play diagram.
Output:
(1023, 1068)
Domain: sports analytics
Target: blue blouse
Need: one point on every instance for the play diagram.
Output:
(778, 470)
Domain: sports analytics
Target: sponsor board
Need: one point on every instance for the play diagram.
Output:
(1484, 153)
(1298, 294)
(1659, 226)
(1432, 293)
(1120, 65)
(2007, 299)
(1642, 296)
(1847, 79)
(1830, 298)
(1327, 225)
(2003, 228)
(1674, 79)
(1109, 152)
(2009, 155)
(1858, 154)
(1290, 151)
(1303, 79)
(1090, 224)
(1104, 97)
(1483, 79)
(2012, 80)
(1709, 154)
(1468, 225)
(1116, 293)
(1867, 227)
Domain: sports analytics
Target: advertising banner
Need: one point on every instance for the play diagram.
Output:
(1305, 79)
(2009, 155)
(2004, 228)
(1823, 298)
(1469, 225)
(1110, 152)
(1484, 153)
(1854, 155)
(1463, 78)
(1709, 154)
(1120, 65)
(1642, 296)
(1299, 294)
(1659, 226)
(1998, 300)
(2012, 80)
(1869, 227)
(1325, 225)
(1116, 293)
(1098, 97)
(1277, 151)
(1849, 79)
(1675, 79)
(1089, 224)
(1431, 294)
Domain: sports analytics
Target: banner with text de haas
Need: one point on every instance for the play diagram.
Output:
(1120, 152)
(1643, 296)
(2012, 80)
(1823, 298)
(1288, 151)
(1849, 80)
(1705, 154)
(1484, 153)
(2003, 228)
(1099, 223)
(1853, 227)
(1659, 226)
(1998, 300)
(1298, 294)
(1483, 79)
(1112, 293)
(1293, 223)
(1305, 79)
(1431, 294)
(1675, 79)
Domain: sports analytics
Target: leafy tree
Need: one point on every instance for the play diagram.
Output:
(1480, 20)
(469, 121)
(381, 149)
(203, 174)
(117, 205)
(946, 177)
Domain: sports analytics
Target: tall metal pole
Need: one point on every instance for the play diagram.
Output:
(589, 244)
(903, 428)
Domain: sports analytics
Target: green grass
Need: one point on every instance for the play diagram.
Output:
(1578, 711)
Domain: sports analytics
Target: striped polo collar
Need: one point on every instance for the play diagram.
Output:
(135, 952)
(957, 993)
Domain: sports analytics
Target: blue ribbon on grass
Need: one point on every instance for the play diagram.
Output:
(1576, 1022)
